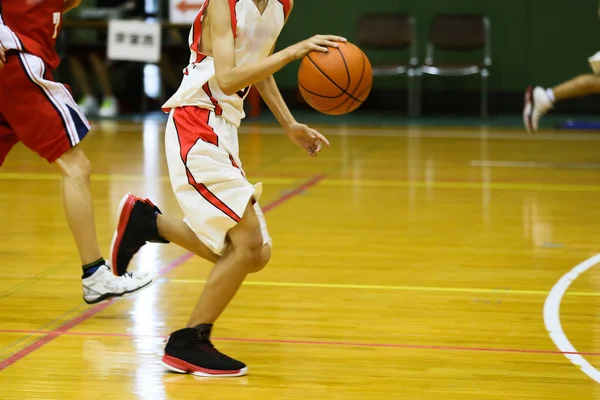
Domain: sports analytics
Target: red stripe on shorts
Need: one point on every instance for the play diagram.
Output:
(191, 124)
(235, 165)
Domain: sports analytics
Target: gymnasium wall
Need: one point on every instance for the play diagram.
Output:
(533, 41)
(537, 41)
(540, 42)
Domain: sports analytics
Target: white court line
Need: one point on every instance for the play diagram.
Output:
(552, 317)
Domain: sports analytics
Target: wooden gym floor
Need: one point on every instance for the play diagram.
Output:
(409, 264)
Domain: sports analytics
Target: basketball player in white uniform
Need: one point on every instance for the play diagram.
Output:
(231, 45)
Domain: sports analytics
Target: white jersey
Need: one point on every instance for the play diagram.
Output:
(255, 36)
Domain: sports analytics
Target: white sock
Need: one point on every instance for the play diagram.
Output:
(550, 95)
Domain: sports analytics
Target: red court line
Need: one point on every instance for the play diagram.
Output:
(319, 343)
(293, 193)
(63, 329)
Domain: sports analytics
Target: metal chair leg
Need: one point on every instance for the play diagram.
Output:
(484, 93)
(414, 93)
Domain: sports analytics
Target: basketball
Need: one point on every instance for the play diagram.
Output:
(336, 82)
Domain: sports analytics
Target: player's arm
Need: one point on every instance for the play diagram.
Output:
(300, 134)
(272, 96)
(232, 78)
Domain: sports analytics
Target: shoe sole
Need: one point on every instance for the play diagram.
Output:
(182, 367)
(109, 296)
(124, 212)
(528, 110)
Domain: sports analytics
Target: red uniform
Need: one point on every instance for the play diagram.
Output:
(34, 109)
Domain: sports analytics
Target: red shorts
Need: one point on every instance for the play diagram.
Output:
(37, 111)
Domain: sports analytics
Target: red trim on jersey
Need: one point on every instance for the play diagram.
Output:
(197, 33)
(191, 125)
(286, 7)
(218, 108)
(232, 4)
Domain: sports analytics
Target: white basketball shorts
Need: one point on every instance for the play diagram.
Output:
(206, 175)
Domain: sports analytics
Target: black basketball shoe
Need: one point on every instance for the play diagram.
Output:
(190, 351)
(136, 227)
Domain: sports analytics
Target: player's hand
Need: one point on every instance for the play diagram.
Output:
(2, 58)
(68, 5)
(307, 138)
(316, 43)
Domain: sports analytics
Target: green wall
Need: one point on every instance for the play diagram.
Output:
(533, 41)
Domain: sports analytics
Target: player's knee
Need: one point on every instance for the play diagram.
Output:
(589, 81)
(265, 257)
(595, 82)
(248, 250)
(74, 164)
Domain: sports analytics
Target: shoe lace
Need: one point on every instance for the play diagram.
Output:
(126, 275)
(210, 348)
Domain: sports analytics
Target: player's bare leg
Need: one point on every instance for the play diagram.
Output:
(88, 103)
(190, 350)
(179, 232)
(77, 197)
(109, 106)
(241, 256)
(98, 281)
(583, 85)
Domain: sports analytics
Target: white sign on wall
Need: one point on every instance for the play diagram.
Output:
(184, 11)
(132, 40)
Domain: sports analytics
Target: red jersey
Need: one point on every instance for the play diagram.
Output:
(31, 26)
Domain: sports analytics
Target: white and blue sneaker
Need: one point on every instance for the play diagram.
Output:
(104, 285)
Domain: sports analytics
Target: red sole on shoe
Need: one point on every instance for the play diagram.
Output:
(125, 208)
(182, 367)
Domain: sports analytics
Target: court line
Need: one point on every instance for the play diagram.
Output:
(367, 183)
(498, 291)
(47, 326)
(477, 132)
(532, 164)
(316, 343)
(533, 186)
(174, 264)
(45, 176)
(36, 278)
(406, 130)
(552, 317)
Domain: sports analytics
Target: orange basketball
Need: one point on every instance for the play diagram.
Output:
(336, 82)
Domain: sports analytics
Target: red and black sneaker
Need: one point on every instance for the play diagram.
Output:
(190, 351)
(136, 227)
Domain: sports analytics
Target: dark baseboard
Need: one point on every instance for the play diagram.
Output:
(454, 102)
